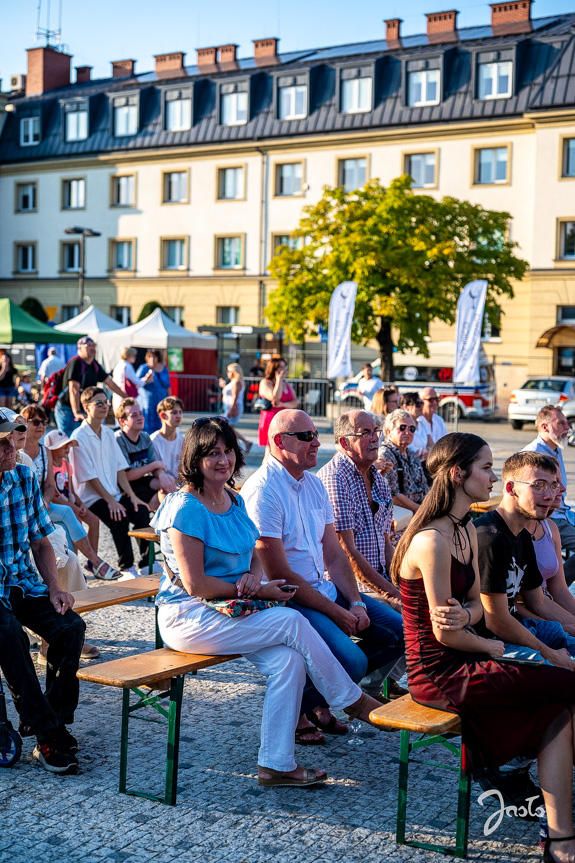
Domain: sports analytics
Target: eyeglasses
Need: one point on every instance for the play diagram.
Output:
(37, 422)
(99, 403)
(540, 486)
(305, 436)
(404, 427)
(203, 421)
(432, 399)
(366, 432)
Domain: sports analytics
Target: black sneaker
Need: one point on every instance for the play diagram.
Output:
(63, 740)
(53, 760)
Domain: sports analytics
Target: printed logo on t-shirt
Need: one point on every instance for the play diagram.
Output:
(514, 578)
(139, 458)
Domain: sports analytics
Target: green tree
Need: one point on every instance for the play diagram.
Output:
(35, 308)
(410, 255)
(148, 308)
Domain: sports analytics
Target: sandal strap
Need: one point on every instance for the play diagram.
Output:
(560, 838)
(354, 712)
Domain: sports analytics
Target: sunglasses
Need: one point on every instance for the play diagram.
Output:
(404, 427)
(367, 432)
(305, 436)
(37, 422)
(433, 399)
(99, 403)
(203, 421)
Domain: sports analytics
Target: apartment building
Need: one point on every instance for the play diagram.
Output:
(193, 175)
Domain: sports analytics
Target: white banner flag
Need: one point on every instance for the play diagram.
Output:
(470, 307)
(341, 308)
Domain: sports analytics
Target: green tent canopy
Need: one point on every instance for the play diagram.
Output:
(17, 327)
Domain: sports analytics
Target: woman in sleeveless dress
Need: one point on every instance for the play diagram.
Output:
(506, 709)
(275, 389)
(233, 400)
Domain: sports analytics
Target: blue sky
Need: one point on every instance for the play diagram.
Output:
(98, 31)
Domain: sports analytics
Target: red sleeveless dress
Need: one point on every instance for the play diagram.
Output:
(505, 709)
(266, 417)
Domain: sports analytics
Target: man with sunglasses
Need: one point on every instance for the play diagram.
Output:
(430, 421)
(422, 442)
(298, 543)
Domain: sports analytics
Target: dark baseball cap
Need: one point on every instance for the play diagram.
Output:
(6, 424)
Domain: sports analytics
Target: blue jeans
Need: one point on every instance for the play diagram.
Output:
(380, 644)
(65, 516)
(64, 416)
(550, 632)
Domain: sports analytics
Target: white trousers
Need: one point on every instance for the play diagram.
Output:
(283, 646)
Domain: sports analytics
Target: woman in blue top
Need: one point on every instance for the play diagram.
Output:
(155, 389)
(208, 544)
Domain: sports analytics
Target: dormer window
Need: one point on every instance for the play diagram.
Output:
(178, 110)
(292, 101)
(495, 80)
(356, 91)
(234, 104)
(75, 118)
(29, 131)
(125, 110)
(423, 87)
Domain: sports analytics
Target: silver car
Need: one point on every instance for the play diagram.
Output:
(525, 403)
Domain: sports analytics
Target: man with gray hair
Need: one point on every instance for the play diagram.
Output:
(50, 365)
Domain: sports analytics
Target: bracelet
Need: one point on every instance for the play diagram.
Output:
(361, 604)
(468, 615)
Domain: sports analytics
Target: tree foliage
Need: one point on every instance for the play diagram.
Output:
(35, 308)
(409, 253)
(148, 308)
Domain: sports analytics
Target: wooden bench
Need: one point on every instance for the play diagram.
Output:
(433, 726)
(117, 593)
(143, 674)
(478, 509)
(150, 535)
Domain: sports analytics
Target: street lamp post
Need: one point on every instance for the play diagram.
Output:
(83, 233)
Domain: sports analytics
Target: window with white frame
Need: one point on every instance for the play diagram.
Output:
(356, 95)
(286, 240)
(495, 80)
(25, 257)
(423, 87)
(69, 312)
(292, 102)
(491, 165)
(231, 183)
(70, 257)
(233, 107)
(123, 189)
(176, 313)
(352, 173)
(125, 116)
(74, 194)
(175, 187)
(421, 168)
(174, 254)
(567, 241)
(75, 121)
(122, 314)
(289, 179)
(29, 131)
(178, 111)
(227, 314)
(122, 255)
(229, 253)
(25, 197)
(568, 157)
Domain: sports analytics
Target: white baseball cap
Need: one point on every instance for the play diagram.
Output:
(55, 439)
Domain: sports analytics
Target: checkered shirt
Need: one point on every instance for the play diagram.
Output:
(23, 519)
(348, 496)
(415, 485)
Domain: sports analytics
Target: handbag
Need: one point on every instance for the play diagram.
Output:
(262, 404)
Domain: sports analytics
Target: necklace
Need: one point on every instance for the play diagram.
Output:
(461, 539)
(532, 535)
(214, 502)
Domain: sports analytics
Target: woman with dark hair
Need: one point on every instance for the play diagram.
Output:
(208, 544)
(506, 709)
(278, 392)
(155, 389)
(7, 380)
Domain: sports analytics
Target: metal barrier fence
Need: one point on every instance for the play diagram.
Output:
(199, 393)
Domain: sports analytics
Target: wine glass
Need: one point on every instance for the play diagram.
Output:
(354, 729)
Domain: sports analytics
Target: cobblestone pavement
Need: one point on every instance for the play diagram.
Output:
(222, 816)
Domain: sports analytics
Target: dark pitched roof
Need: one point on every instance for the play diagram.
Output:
(545, 78)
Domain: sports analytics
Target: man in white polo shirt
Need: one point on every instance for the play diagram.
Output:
(100, 475)
(430, 421)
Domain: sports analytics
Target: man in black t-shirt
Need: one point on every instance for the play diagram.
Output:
(80, 373)
(510, 581)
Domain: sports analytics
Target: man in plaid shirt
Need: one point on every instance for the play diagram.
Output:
(32, 597)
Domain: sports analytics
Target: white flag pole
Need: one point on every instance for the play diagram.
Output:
(470, 308)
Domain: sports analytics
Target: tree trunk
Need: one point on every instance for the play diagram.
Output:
(386, 350)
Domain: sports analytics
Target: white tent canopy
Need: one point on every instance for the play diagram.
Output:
(156, 331)
(90, 322)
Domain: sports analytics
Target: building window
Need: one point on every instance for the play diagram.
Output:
(123, 191)
(567, 240)
(566, 314)
(491, 165)
(229, 253)
(174, 254)
(69, 312)
(125, 116)
(176, 313)
(292, 102)
(76, 121)
(178, 112)
(122, 255)
(234, 108)
(25, 255)
(25, 197)
(352, 174)
(29, 131)
(286, 240)
(176, 187)
(227, 314)
(491, 331)
(289, 179)
(356, 95)
(231, 183)
(421, 168)
(423, 88)
(73, 194)
(122, 314)
(495, 80)
(568, 157)
(70, 257)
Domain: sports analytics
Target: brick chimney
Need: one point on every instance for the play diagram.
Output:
(511, 17)
(393, 29)
(47, 69)
(83, 74)
(123, 68)
(266, 51)
(442, 26)
(170, 65)
(207, 57)
(228, 53)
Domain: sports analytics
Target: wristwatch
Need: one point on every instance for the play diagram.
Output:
(361, 604)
